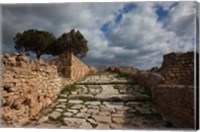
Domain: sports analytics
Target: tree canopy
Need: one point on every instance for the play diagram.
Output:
(42, 42)
(71, 42)
(33, 40)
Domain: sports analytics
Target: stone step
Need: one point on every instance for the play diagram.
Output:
(111, 97)
(121, 97)
(106, 83)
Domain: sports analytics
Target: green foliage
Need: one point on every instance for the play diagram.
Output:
(33, 40)
(69, 88)
(146, 92)
(71, 42)
(149, 115)
(122, 75)
(42, 42)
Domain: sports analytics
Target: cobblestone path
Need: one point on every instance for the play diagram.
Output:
(102, 101)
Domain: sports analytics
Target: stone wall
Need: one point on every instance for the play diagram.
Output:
(175, 97)
(27, 87)
(71, 67)
(172, 87)
(178, 68)
(79, 69)
(177, 104)
(63, 64)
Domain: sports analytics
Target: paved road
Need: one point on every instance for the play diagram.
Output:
(102, 101)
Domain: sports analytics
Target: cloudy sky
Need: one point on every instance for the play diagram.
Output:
(132, 34)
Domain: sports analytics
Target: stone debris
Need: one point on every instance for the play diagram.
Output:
(91, 121)
(75, 101)
(85, 125)
(68, 114)
(72, 111)
(59, 110)
(43, 119)
(55, 114)
(82, 115)
(102, 126)
(78, 107)
(62, 100)
(118, 120)
(100, 118)
(61, 106)
(75, 122)
(92, 103)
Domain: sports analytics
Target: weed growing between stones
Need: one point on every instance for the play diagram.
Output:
(122, 75)
(59, 120)
(149, 116)
(69, 88)
(147, 92)
(93, 125)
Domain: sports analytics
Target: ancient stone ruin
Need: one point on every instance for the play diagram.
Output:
(29, 86)
(175, 97)
(172, 87)
(71, 67)
(119, 98)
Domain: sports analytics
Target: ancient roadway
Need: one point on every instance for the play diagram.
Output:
(102, 101)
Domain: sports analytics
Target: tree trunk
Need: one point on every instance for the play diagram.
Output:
(38, 55)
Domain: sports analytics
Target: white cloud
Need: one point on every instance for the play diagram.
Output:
(139, 39)
(139, 30)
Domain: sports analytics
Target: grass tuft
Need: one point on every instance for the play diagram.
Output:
(122, 75)
(149, 116)
(69, 88)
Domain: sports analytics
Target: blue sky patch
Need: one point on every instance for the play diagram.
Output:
(118, 17)
(162, 13)
(127, 8)
(105, 28)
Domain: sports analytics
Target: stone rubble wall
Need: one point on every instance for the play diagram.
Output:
(29, 86)
(63, 64)
(149, 80)
(172, 87)
(178, 68)
(177, 104)
(175, 97)
(69, 66)
(79, 69)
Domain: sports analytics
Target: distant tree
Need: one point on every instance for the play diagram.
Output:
(34, 40)
(71, 42)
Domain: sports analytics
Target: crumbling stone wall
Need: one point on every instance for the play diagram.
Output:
(177, 104)
(172, 87)
(69, 66)
(79, 69)
(27, 87)
(63, 62)
(178, 68)
(175, 97)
